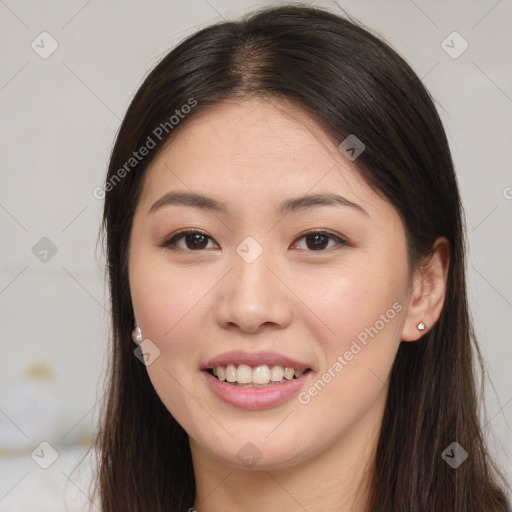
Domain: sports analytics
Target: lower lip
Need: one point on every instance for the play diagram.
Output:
(255, 398)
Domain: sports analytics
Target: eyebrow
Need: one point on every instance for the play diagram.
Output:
(294, 204)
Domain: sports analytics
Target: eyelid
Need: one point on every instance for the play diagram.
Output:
(333, 236)
(168, 242)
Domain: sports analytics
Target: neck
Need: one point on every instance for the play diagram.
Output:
(336, 478)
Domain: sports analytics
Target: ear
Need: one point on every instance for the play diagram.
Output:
(428, 291)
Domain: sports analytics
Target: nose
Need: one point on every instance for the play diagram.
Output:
(254, 296)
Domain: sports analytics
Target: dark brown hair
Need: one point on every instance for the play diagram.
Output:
(350, 82)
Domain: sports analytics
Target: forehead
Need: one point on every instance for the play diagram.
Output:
(255, 151)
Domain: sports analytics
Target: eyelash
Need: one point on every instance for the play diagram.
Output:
(171, 242)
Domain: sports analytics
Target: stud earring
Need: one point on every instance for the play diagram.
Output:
(421, 326)
(137, 334)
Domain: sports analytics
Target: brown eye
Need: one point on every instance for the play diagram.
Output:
(319, 240)
(193, 241)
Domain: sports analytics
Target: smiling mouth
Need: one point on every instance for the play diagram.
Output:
(243, 375)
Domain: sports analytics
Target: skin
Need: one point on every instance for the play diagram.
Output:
(305, 303)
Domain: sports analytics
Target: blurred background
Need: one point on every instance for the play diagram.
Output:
(68, 71)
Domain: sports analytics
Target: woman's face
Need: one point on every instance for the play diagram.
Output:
(256, 292)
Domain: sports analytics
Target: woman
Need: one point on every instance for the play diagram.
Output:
(286, 249)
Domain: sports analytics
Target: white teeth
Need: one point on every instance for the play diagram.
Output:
(276, 373)
(288, 373)
(230, 373)
(244, 374)
(260, 375)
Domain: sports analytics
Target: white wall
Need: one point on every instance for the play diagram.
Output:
(59, 116)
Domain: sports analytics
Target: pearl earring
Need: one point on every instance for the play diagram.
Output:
(421, 326)
(137, 334)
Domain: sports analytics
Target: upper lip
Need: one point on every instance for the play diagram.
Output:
(255, 359)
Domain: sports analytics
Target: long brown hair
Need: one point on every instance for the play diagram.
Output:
(351, 82)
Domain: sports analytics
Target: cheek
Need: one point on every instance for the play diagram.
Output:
(166, 298)
(357, 326)
(170, 306)
(347, 302)
(360, 310)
